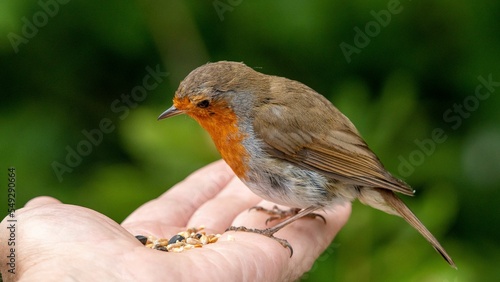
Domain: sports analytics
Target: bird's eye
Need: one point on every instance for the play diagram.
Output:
(203, 104)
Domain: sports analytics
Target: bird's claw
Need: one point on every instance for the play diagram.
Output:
(268, 232)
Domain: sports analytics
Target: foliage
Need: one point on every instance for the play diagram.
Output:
(401, 86)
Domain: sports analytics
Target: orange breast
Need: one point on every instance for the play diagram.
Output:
(222, 126)
(228, 140)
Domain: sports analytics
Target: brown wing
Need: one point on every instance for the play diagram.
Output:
(303, 127)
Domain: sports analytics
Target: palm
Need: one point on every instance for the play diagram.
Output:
(61, 241)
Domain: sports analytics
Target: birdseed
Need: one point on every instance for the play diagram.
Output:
(185, 240)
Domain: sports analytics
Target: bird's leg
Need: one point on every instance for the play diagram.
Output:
(269, 232)
(277, 213)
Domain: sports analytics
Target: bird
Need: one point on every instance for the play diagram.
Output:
(289, 145)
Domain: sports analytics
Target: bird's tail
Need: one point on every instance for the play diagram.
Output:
(394, 205)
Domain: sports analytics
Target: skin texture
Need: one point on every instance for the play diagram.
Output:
(289, 144)
(60, 242)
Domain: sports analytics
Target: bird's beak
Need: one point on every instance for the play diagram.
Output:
(172, 111)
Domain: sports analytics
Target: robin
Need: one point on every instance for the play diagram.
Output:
(289, 145)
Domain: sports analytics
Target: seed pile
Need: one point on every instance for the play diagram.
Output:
(191, 238)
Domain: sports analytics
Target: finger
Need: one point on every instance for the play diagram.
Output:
(62, 235)
(218, 213)
(177, 205)
(257, 219)
(247, 252)
(41, 201)
(308, 237)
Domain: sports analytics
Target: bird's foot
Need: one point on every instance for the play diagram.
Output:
(268, 232)
(277, 213)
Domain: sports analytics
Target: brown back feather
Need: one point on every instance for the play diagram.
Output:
(304, 128)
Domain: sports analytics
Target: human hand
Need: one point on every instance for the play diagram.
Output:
(56, 242)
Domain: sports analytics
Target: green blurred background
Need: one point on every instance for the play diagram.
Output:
(63, 65)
